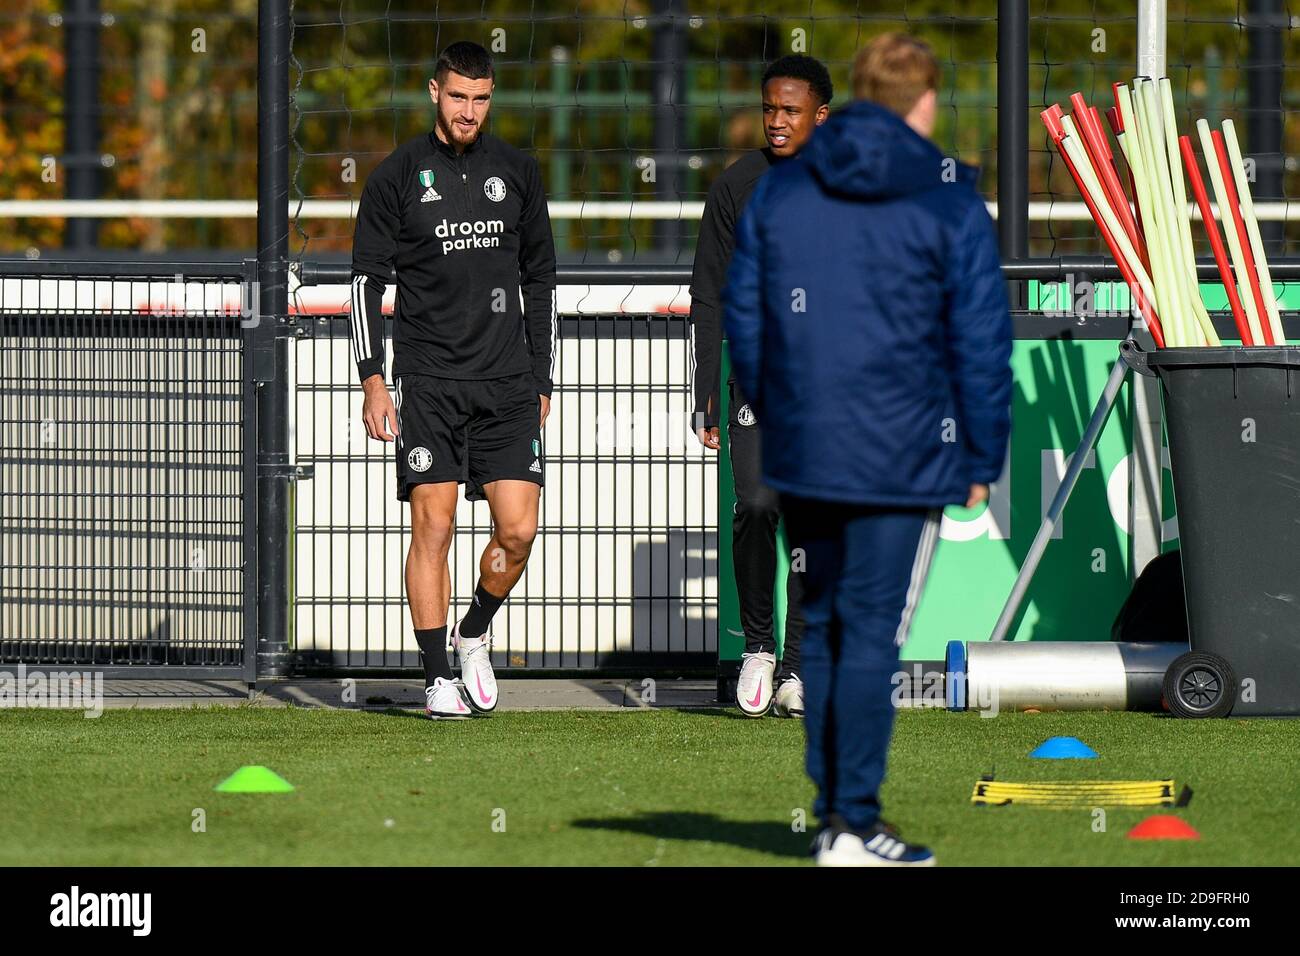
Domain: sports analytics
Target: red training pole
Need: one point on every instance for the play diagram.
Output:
(1051, 118)
(1113, 166)
(1114, 92)
(1216, 241)
(1117, 127)
(1095, 146)
(1247, 256)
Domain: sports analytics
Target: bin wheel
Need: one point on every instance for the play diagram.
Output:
(1200, 684)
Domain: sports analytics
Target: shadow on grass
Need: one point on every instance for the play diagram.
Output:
(395, 712)
(728, 713)
(731, 713)
(766, 836)
(417, 714)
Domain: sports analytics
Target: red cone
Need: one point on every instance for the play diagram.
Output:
(1163, 827)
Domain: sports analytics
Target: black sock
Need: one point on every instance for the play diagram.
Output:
(480, 613)
(433, 653)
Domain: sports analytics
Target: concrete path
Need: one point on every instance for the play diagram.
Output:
(377, 694)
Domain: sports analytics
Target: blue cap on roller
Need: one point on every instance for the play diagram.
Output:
(954, 671)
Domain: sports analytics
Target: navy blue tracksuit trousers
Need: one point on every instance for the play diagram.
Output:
(864, 569)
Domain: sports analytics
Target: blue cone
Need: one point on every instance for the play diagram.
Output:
(1063, 748)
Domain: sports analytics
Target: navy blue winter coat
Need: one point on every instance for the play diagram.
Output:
(867, 319)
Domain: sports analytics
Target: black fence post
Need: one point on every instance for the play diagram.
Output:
(81, 156)
(270, 351)
(1013, 137)
(1265, 63)
(248, 469)
(669, 58)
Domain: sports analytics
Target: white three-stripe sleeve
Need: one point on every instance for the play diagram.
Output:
(374, 250)
(555, 333)
(367, 310)
(360, 341)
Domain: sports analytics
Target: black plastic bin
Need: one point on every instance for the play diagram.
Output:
(1233, 421)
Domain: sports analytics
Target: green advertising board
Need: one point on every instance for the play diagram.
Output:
(1084, 575)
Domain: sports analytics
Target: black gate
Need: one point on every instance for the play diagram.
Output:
(125, 454)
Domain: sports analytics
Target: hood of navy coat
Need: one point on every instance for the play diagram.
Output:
(867, 319)
(868, 152)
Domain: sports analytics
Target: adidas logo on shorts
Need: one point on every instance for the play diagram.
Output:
(430, 195)
(535, 466)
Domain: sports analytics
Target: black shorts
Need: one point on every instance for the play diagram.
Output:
(469, 432)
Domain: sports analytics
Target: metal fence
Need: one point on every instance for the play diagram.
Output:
(124, 462)
(131, 474)
(129, 461)
(623, 572)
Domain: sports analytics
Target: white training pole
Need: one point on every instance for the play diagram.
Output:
(1177, 309)
(1187, 258)
(1189, 323)
(1147, 202)
(1139, 270)
(1134, 153)
(1247, 205)
(1253, 317)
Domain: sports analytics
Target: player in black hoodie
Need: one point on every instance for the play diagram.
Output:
(461, 216)
(796, 96)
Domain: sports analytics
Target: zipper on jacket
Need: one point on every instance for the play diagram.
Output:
(464, 180)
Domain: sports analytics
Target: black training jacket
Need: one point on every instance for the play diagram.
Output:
(466, 234)
(722, 208)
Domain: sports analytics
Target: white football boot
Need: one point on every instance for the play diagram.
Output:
(837, 845)
(788, 701)
(754, 689)
(442, 701)
(477, 680)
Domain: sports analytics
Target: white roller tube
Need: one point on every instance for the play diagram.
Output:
(1066, 675)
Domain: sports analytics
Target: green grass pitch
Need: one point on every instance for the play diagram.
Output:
(639, 788)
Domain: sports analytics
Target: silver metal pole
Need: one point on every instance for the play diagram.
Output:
(1109, 395)
(1152, 19)
(1145, 514)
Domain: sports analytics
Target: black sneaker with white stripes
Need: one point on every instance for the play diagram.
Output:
(839, 845)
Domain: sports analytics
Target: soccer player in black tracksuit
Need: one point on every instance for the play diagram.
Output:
(462, 217)
(796, 94)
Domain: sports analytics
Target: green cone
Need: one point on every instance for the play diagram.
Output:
(254, 780)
